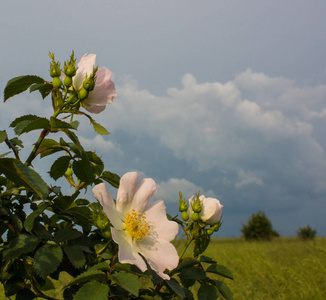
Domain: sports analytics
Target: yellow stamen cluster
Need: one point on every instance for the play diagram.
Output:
(136, 225)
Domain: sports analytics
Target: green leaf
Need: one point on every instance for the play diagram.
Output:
(193, 272)
(93, 290)
(87, 276)
(186, 263)
(59, 167)
(175, 287)
(66, 235)
(49, 146)
(220, 270)
(104, 265)
(201, 244)
(20, 84)
(97, 161)
(20, 245)
(207, 292)
(29, 123)
(23, 176)
(223, 289)
(207, 260)
(82, 216)
(47, 259)
(127, 281)
(3, 136)
(29, 221)
(99, 128)
(59, 124)
(43, 88)
(84, 170)
(75, 255)
(111, 178)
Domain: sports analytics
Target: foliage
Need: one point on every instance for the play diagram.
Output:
(59, 246)
(306, 233)
(258, 227)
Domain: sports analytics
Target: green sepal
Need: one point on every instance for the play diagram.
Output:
(20, 84)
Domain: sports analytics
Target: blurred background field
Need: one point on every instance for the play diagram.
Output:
(284, 268)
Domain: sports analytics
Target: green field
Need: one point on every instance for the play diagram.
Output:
(285, 268)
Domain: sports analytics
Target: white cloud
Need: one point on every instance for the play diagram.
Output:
(247, 178)
(99, 143)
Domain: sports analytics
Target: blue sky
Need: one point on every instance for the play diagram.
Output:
(225, 97)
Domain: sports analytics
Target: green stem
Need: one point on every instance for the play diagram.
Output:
(186, 247)
(43, 134)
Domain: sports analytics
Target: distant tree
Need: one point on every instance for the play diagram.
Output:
(258, 227)
(306, 233)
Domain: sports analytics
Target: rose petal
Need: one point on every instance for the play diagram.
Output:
(160, 256)
(103, 196)
(128, 251)
(155, 213)
(94, 109)
(85, 66)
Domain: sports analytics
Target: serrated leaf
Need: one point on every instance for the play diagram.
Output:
(127, 281)
(175, 287)
(104, 265)
(47, 259)
(206, 259)
(223, 289)
(23, 176)
(193, 272)
(43, 88)
(87, 276)
(220, 270)
(97, 162)
(201, 244)
(66, 235)
(29, 221)
(207, 292)
(22, 119)
(99, 128)
(77, 148)
(3, 135)
(59, 167)
(75, 255)
(82, 216)
(84, 170)
(20, 84)
(92, 290)
(186, 263)
(111, 178)
(40, 123)
(20, 245)
(59, 124)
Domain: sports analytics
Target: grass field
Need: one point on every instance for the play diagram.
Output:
(285, 268)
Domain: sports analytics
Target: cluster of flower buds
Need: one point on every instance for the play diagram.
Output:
(69, 70)
(183, 208)
(55, 72)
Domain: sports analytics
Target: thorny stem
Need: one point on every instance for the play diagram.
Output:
(43, 134)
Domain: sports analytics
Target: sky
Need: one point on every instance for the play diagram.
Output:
(225, 97)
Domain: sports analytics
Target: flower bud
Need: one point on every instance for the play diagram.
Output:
(67, 81)
(184, 216)
(195, 216)
(83, 94)
(89, 83)
(197, 206)
(182, 204)
(70, 66)
(55, 70)
(57, 82)
(106, 234)
(209, 231)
